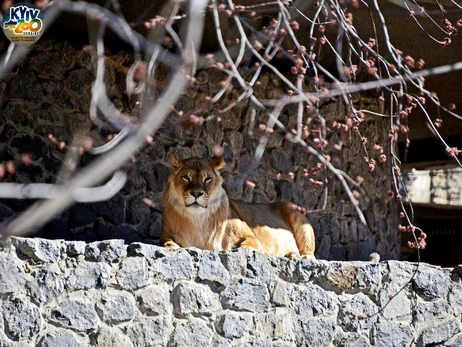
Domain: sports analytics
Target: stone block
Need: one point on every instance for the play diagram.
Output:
(133, 273)
(439, 334)
(275, 326)
(211, 269)
(139, 249)
(60, 339)
(235, 261)
(38, 250)
(115, 308)
(309, 269)
(175, 267)
(109, 251)
(22, 319)
(189, 298)
(45, 285)
(149, 332)
(431, 283)
(154, 300)
(12, 277)
(314, 301)
(111, 338)
(358, 313)
(76, 315)
(192, 332)
(234, 326)
(87, 275)
(75, 248)
(259, 267)
(392, 334)
(314, 332)
(246, 295)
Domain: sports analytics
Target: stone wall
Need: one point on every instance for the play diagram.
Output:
(58, 293)
(49, 93)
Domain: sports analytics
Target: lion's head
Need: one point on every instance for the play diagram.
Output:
(196, 183)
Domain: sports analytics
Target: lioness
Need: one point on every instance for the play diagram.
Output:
(198, 213)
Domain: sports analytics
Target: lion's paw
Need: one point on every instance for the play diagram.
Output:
(170, 244)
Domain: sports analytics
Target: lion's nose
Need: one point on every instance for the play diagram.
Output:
(196, 194)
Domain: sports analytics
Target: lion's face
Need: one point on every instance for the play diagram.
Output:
(197, 181)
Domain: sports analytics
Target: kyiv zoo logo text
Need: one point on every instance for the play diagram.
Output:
(23, 24)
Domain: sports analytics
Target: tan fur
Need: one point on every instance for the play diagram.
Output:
(198, 213)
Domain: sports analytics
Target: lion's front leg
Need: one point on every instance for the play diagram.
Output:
(242, 235)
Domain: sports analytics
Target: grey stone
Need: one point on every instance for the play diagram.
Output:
(455, 298)
(438, 334)
(8, 343)
(109, 251)
(399, 272)
(60, 339)
(75, 315)
(235, 261)
(22, 319)
(26, 87)
(314, 332)
(259, 267)
(75, 248)
(193, 332)
(431, 283)
(308, 269)
(115, 309)
(133, 273)
(46, 285)
(222, 343)
(179, 267)
(149, 332)
(154, 300)
(431, 312)
(111, 338)
(394, 302)
(246, 295)
(282, 293)
(275, 326)
(456, 341)
(211, 269)
(12, 277)
(258, 344)
(286, 269)
(89, 275)
(355, 275)
(354, 340)
(234, 326)
(392, 334)
(189, 298)
(39, 250)
(358, 313)
(138, 249)
(314, 301)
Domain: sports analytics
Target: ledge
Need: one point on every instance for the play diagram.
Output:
(58, 293)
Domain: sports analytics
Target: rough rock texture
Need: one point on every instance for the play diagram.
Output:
(49, 93)
(189, 297)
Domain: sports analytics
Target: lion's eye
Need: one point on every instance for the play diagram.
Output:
(207, 180)
(186, 178)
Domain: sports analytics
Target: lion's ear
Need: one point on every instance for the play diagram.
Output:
(217, 162)
(175, 160)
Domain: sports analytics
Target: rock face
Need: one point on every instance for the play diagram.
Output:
(143, 295)
(46, 103)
